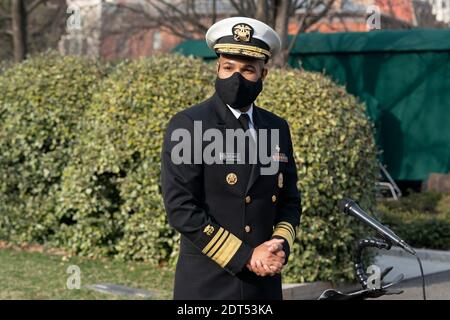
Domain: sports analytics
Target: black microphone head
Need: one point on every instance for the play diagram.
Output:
(345, 203)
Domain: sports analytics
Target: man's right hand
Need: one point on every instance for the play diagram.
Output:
(267, 258)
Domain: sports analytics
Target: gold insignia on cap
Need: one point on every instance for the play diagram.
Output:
(242, 32)
(280, 180)
(209, 229)
(231, 178)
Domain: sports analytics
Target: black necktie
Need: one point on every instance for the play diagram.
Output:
(244, 119)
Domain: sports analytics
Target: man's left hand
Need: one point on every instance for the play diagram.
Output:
(261, 269)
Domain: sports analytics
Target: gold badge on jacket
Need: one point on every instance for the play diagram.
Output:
(231, 178)
(280, 180)
(279, 156)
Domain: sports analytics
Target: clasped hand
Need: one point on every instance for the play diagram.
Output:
(267, 258)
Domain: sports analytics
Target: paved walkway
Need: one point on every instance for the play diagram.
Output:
(436, 265)
(432, 260)
(437, 287)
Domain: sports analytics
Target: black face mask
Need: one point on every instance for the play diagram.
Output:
(238, 92)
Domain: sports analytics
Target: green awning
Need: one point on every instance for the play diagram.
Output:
(374, 41)
(196, 48)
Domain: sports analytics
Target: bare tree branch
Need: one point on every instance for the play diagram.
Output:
(304, 23)
(52, 20)
(214, 11)
(33, 5)
(239, 6)
(192, 20)
(262, 11)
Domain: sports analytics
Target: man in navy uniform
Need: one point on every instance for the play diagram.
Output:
(237, 224)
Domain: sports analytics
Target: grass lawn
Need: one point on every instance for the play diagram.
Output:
(35, 275)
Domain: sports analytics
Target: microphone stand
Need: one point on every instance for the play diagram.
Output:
(362, 276)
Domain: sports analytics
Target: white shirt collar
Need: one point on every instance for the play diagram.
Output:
(237, 113)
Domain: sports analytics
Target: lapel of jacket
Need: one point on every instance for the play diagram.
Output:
(224, 117)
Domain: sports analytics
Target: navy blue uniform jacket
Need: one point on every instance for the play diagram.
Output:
(224, 210)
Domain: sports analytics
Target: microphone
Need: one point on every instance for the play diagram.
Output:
(348, 206)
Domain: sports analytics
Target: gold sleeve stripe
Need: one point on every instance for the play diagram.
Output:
(215, 239)
(227, 251)
(285, 230)
(288, 226)
(290, 233)
(222, 247)
(285, 234)
(218, 245)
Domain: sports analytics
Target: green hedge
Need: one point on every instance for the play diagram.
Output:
(335, 155)
(108, 198)
(422, 220)
(42, 101)
(3, 66)
(110, 188)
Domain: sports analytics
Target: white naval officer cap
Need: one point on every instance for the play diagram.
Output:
(243, 37)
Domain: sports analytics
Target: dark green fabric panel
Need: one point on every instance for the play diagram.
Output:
(374, 41)
(197, 48)
(408, 98)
